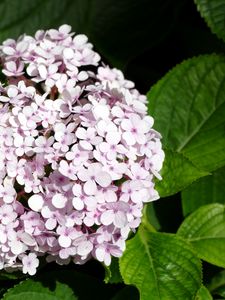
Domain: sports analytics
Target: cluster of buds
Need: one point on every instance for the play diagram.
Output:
(78, 154)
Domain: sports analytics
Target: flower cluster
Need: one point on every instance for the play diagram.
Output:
(78, 153)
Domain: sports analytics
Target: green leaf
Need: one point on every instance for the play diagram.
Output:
(161, 266)
(177, 173)
(112, 272)
(58, 285)
(213, 13)
(188, 105)
(35, 290)
(209, 189)
(203, 294)
(205, 230)
(104, 22)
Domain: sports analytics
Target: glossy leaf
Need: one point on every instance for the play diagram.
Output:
(161, 266)
(60, 285)
(205, 230)
(188, 105)
(177, 173)
(213, 12)
(35, 290)
(203, 294)
(209, 189)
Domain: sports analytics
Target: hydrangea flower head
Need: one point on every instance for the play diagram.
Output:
(78, 154)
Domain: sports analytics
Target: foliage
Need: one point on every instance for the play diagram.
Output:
(161, 48)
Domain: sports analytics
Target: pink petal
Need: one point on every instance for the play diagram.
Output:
(129, 138)
(59, 201)
(103, 179)
(78, 203)
(90, 187)
(64, 241)
(113, 138)
(84, 248)
(36, 202)
(120, 219)
(107, 217)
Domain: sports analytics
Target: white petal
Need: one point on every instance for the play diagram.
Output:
(120, 219)
(36, 202)
(68, 53)
(84, 248)
(64, 241)
(107, 217)
(59, 201)
(103, 179)
(78, 203)
(101, 112)
(90, 187)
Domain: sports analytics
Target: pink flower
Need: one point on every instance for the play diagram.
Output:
(78, 155)
(30, 263)
(92, 176)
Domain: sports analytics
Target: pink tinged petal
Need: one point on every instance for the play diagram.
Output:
(81, 133)
(104, 147)
(42, 71)
(120, 220)
(84, 248)
(103, 179)
(17, 247)
(4, 99)
(64, 241)
(77, 190)
(27, 239)
(59, 201)
(65, 29)
(83, 174)
(90, 187)
(126, 125)
(78, 203)
(129, 138)
(100, 254)
(101, 112)
(11, 66)
(85, 145)
(68, 53)
(80, 39)
(8, 50)
(107, 259)
(50, 224)
(113, 138)
(82, 76)
(107, 217)
(36, 202)
(141, 139)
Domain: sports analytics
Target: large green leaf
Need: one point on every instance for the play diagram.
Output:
(213, 11)
(205, 230)
(209, 189)
(35, 290)
(188, 105)
(58, 285)
(161, 266)
(103, 21)
(177, 173)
